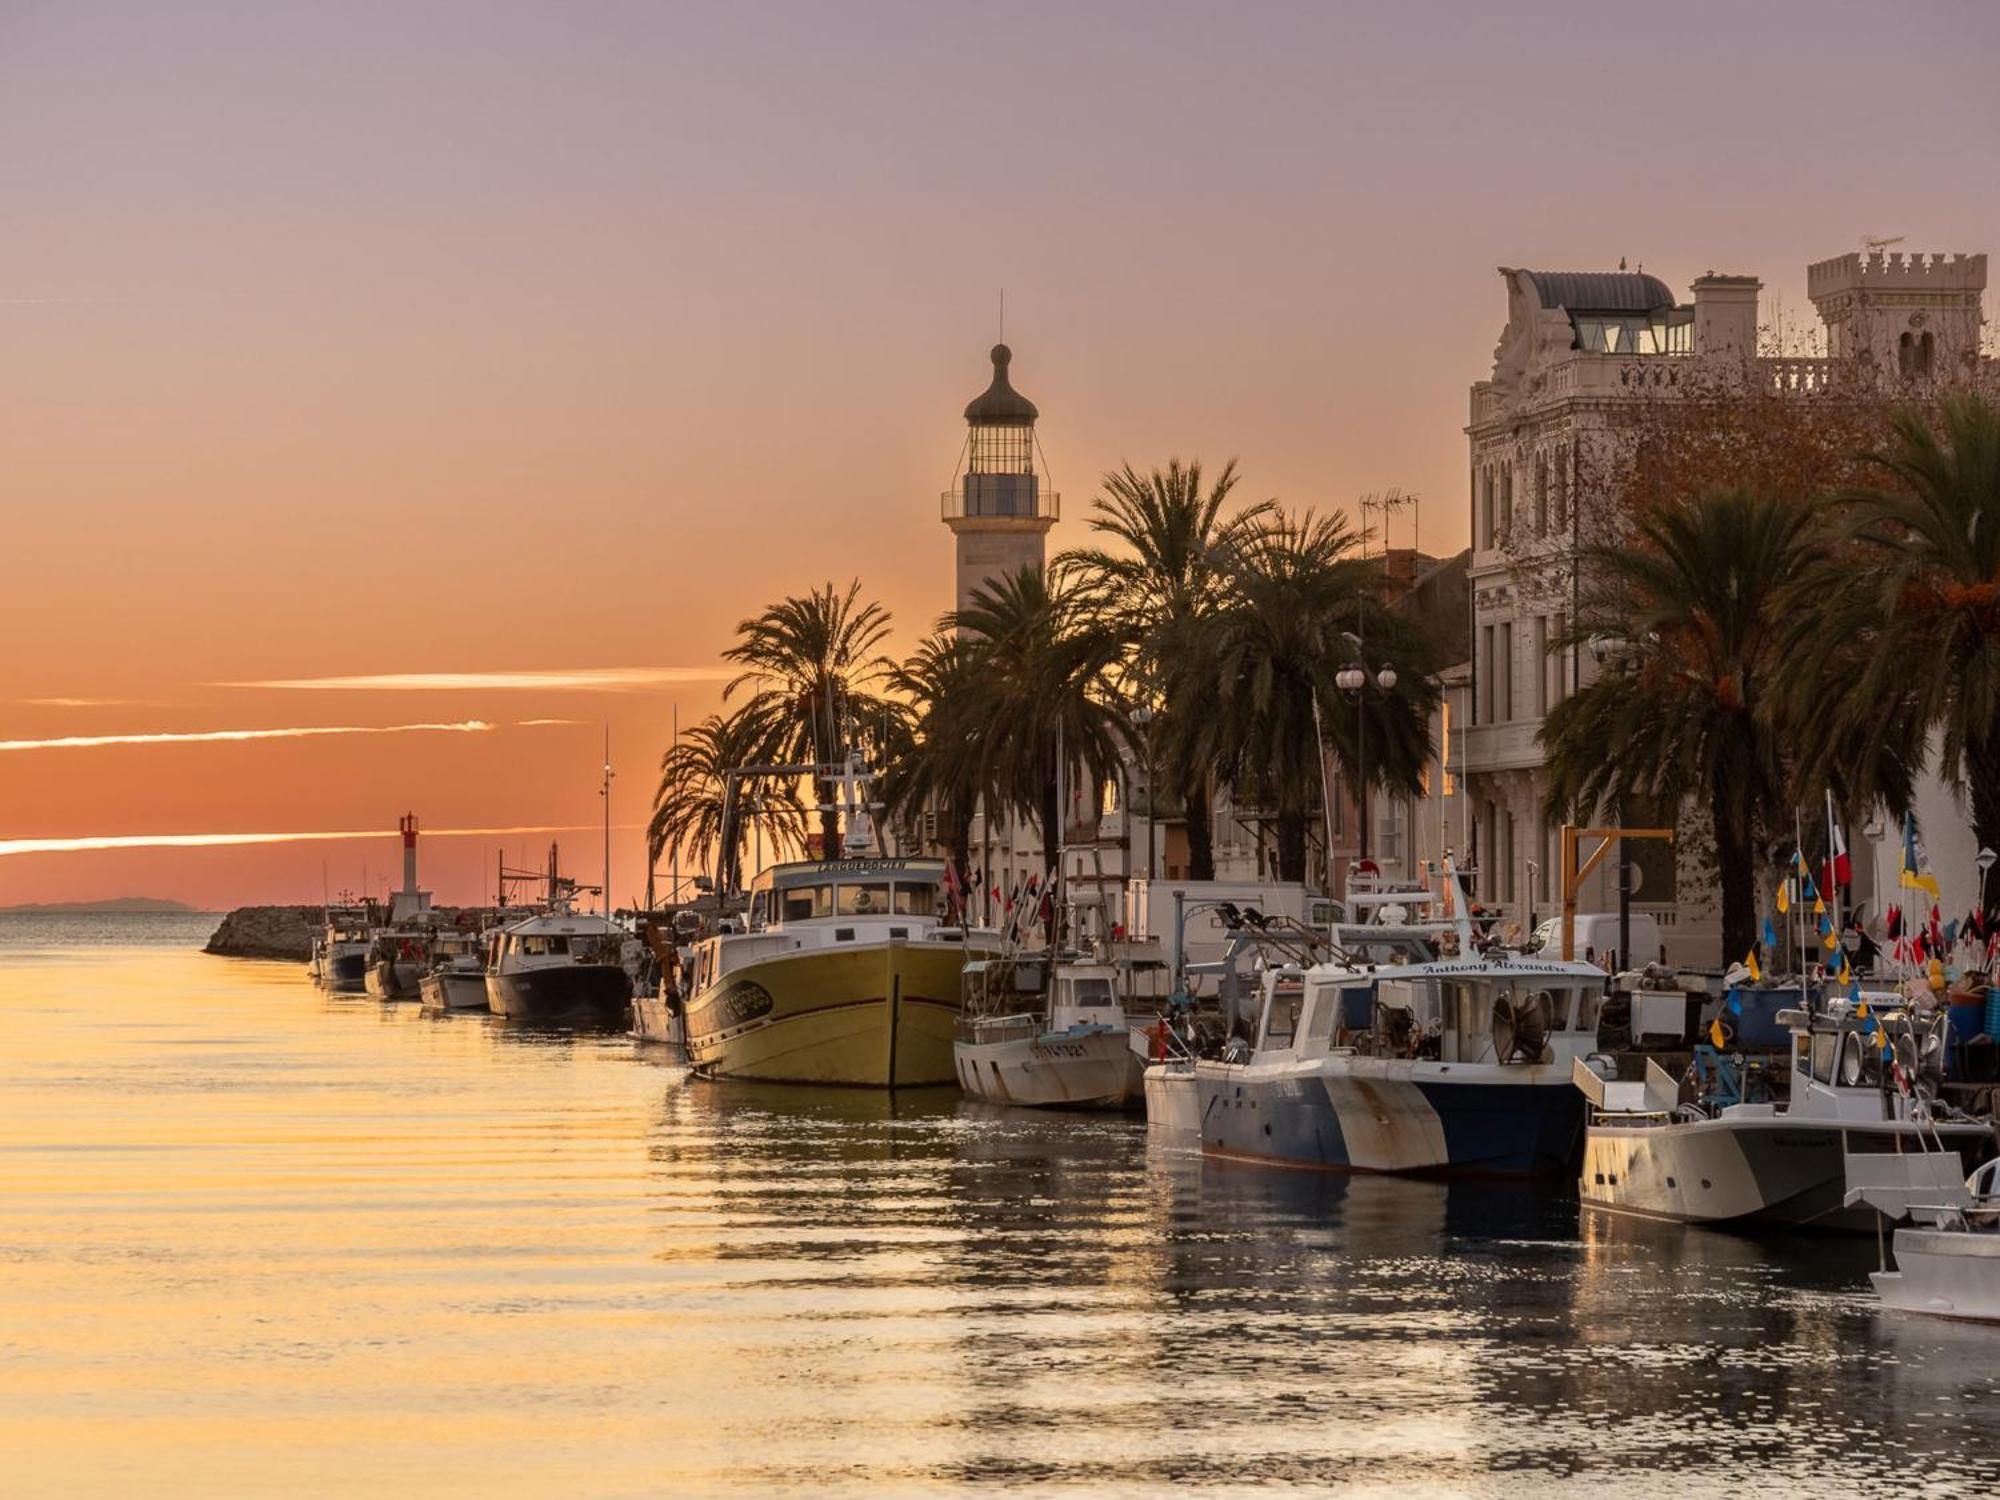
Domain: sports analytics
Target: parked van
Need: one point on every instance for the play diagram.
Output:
(1597, 937)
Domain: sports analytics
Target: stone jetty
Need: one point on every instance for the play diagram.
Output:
(267, 932)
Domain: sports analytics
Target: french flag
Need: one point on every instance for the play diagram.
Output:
(1838, 871)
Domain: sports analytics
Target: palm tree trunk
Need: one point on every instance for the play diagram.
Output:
(1735, 857)
(1200, 829)
(1291, 847)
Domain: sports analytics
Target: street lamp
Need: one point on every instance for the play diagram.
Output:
(1143, 717)
(1352, 679)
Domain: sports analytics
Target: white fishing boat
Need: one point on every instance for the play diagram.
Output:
(560, 967)
(1458, 1064)
(457, 978)
(1758, 1161)
(1031, 1036)
(340, 951)
(1947, 1252)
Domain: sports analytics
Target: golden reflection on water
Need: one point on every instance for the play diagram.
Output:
(257, 1239)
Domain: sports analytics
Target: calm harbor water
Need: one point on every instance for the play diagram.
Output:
(254, 1239)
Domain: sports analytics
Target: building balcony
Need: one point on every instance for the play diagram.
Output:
(1501, 747)
(1001, 497)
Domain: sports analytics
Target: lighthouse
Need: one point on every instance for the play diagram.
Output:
(998, 510)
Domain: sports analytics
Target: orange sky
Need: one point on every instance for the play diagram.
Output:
(380, 339)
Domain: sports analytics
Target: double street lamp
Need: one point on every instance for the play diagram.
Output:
(1352, 680)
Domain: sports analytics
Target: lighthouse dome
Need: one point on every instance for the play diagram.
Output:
(1000, 405)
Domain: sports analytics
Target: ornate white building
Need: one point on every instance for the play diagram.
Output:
(1579, 351)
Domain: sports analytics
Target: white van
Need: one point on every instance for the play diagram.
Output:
(1597, 937)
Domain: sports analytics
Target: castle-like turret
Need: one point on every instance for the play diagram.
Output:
(1913, 316)
(998, 510)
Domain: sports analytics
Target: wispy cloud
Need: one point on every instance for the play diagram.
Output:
(83, 702)
(218, 736)
(580, 679)
(539, 723)
(215, 840)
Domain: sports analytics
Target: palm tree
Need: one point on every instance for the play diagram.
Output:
(938, 764)
(1690, 614)
(816, 666)
(1905, 636)
(1295, 610)
(1040, 654)
(1163, 591)
(693, 809)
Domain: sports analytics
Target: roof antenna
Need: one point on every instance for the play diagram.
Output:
(1003, 316)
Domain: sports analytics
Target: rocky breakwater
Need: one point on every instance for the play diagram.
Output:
(267, 932)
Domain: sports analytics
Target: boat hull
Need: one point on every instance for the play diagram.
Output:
(454, 989)
(571, 996)
(1086, 1067)
(1173, 1101)
(392, 979)
(1382, 1115)
(1760, 1170)
(876, 1015)
(654, 1020)
(345, 972)
(1945, 1273)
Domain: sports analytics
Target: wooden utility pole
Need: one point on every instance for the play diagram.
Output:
(1574, 876)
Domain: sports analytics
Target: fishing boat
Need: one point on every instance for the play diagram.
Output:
(1455, 1064)
(457, 977)
(340, 951)
(659, 1009)
(1031, 1036)
(846, 970)
(1947, 1248)
(559, 967)
(1742, 1156)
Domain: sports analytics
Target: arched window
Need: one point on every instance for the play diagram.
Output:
(1542, 494)
(1926, 347)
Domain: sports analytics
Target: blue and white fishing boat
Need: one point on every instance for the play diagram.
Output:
(1458, 1063)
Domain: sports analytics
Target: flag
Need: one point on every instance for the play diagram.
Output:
(1750, 963)
(1912, 872)
(1843, 868)
(1770, 934)
(1819, 906)
(1784, 895)
(1715, 1034)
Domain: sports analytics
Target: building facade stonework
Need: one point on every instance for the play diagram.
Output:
(1582, 355)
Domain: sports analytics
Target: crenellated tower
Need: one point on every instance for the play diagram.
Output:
(1908, 317)
(998, 509)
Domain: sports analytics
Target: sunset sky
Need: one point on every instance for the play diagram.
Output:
(496, 359)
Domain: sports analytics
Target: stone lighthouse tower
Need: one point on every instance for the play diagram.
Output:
(998, 510)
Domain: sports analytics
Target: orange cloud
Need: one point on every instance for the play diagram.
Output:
(230, 736)
(212, 840)
(584, 679)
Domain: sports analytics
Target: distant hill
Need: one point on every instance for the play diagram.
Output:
(115, 904)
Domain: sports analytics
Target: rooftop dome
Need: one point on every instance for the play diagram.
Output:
(1000, 405)
(1601, 291)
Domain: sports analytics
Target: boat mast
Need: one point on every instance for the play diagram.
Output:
(605, 793)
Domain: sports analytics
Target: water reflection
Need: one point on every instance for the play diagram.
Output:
(253, 1231)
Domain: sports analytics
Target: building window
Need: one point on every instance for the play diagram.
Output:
(1542, 494)
(1506, 503)
(1486, 668)
(1486, 509)
(1541, 665)
(1507, 855)
(1504, 670)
